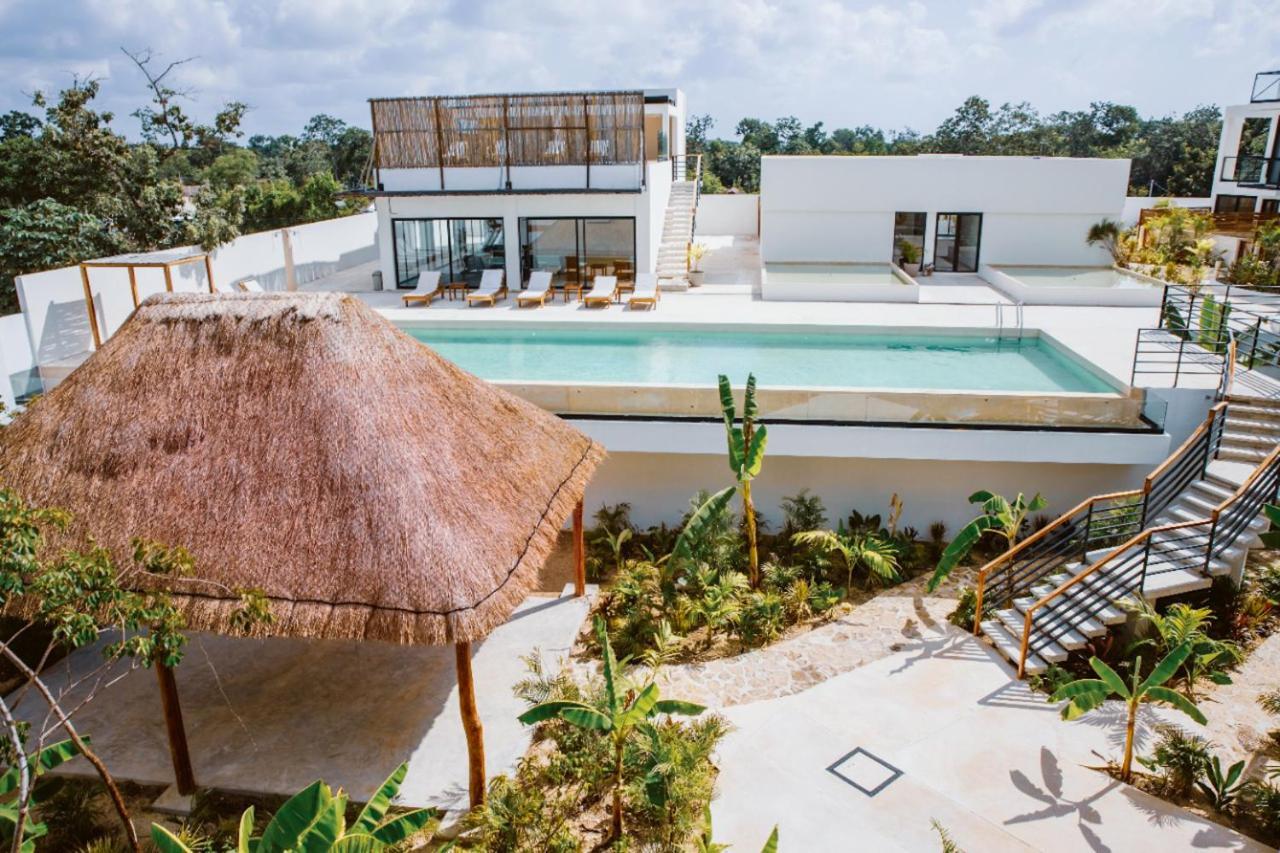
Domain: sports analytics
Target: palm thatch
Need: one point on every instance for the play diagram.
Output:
(301, 445)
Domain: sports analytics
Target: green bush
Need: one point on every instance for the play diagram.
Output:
(1179, 759)
(1263, 799)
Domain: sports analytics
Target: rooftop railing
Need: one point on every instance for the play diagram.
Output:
(1266, 87)
(1251, 170)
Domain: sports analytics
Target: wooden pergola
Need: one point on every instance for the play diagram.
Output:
(151, 260)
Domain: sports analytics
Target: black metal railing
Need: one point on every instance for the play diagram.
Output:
(1098, 523)
(1209, 316)
(1191, 545)
(1252, 170)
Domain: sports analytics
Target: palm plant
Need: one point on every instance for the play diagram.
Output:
(1000, 515)
(1182, 624)
(1221, 789)
(746, 455)
(1086, 694)
(625, 712)
(1106, 233)
(315, 819)
(861, 548)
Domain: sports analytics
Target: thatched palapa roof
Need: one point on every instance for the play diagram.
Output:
(302, 445)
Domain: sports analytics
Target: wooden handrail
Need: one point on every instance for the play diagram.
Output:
(1204, 427)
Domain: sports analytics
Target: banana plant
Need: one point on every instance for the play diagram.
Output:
(746, 455)
(13, 810)
(1271, 538)
(700, 524)
(877, 555)
(1221, 789)
(1086, 694)
(625, 712)
(1000, 515)
(314, 821)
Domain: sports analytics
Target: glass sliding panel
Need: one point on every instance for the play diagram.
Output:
(609, 247)
(907, 228)
(551, 245)
(956, 243)
(461, 249)
(477, 245)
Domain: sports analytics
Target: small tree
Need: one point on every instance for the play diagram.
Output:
(1000, 515)
(1086, 694)
(746, 455)
(1107, 233)
(626, 712)
(857, 548)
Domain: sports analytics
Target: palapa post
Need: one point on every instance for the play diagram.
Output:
(579, 554)
(227, 424)
(183, 774)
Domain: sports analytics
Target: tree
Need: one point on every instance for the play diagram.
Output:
(746, 455)
(696, 129)
(167, 126)
(1086, 694)
(1000, 515)
(236, 168)
(626, 713)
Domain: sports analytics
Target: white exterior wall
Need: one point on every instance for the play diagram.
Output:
(1233, 118)
(15, 354)
(729, 213)
(646, 207)
(1036, 210)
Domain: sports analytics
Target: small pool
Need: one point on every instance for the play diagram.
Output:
(643, 357)
(851, 275)
(1063, 285)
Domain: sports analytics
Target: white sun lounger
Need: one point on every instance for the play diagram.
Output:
(538, 291)
(493, 286)
(250, 285)
(604, 289)
(646, 292)
(428, 288)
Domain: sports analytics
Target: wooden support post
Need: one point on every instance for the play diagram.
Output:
(133, 284)
(182, 771)
(470, 723)
(89, 307)
(579, 554)
(168, 278)
(208, 274)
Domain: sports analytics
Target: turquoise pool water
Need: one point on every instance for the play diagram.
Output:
(781, 360)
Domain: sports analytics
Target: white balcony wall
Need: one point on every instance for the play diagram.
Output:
(624, 176)
(729, 213)
(1035, 209)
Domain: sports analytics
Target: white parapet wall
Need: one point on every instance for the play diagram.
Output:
(735, 214)
(53, 302)
(1035, 210)
(16, 357)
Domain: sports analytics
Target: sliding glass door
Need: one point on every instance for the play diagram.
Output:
(956, 242)
(907, 228)
(461, 249)
(575, 250)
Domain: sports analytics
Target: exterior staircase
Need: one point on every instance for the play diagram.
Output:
(1194, 519)
(678, 227)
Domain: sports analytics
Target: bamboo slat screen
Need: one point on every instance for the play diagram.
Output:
(559, 129)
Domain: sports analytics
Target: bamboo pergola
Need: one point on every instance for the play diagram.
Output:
(150, 260)
(547, 129)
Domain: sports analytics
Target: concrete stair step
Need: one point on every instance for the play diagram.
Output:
(1248, 439)
(1011, 647)
(1234, 453)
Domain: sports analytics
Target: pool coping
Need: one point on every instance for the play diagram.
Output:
(1093, 297)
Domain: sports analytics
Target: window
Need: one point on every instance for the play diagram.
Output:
(1253, 137)
(907, 228)
(1271, 205)
(461, 249)
(1234, 203)
(955, 245)
(574, 250)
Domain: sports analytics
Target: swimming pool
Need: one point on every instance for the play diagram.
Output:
(644, 357)
(848, 282)
(1062, 285)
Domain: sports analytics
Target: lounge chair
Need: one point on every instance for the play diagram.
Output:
(220, 287)
(428, 288)
(604, 289)
(250, 285)
(646, 291)
(493, 286)
(538, 291)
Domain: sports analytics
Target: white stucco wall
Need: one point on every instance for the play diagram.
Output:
(729, 213)
(1035, 209)
(1233, 118)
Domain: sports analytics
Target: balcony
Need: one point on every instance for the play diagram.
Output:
(1252, 171)
(559, 142)
(1266, 88)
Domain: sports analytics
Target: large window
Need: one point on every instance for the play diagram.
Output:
(1234, 203)
(907, 228)
(575, 250)
(461, 249)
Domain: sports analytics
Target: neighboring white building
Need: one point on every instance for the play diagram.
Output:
(575, 183)
(961, 211)
(1247, 179)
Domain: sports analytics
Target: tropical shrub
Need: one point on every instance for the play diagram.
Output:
(1179, 759)
(746, 455)
(1263, 799)
(860, 550)
(1181, 625)
(1219, 788)
(999, 515)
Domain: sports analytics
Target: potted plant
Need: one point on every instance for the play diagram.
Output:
(909, 253)
(696, 251)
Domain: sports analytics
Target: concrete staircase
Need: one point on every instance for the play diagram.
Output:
(677, 233)
(1178, 561)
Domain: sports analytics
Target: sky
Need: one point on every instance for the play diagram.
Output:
(887, 64)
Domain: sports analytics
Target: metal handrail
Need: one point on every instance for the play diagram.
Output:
(1144, 538)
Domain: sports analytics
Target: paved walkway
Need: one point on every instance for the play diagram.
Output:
(975, 750)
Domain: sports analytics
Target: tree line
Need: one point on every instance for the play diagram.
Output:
(73, 187)
(1174, 155)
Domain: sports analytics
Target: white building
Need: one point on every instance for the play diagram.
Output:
(575, 183)
(960, 211)
(1247, 179)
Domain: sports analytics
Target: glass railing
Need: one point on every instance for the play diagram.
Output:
(1266, 87)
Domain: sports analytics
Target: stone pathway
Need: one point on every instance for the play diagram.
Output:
(900, 619)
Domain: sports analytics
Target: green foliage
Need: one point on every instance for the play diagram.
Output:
(1107, 233)
(746, 456)
(999, 515)
(1182, 625)
(874, 555)
(1087, 694)
(1270, 701)
(1179, 758)
(948, 843)
(1271, 539)
(314, 819)
(31, 829)
(1051, 680)
(1263, 799)
(1221, 789)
